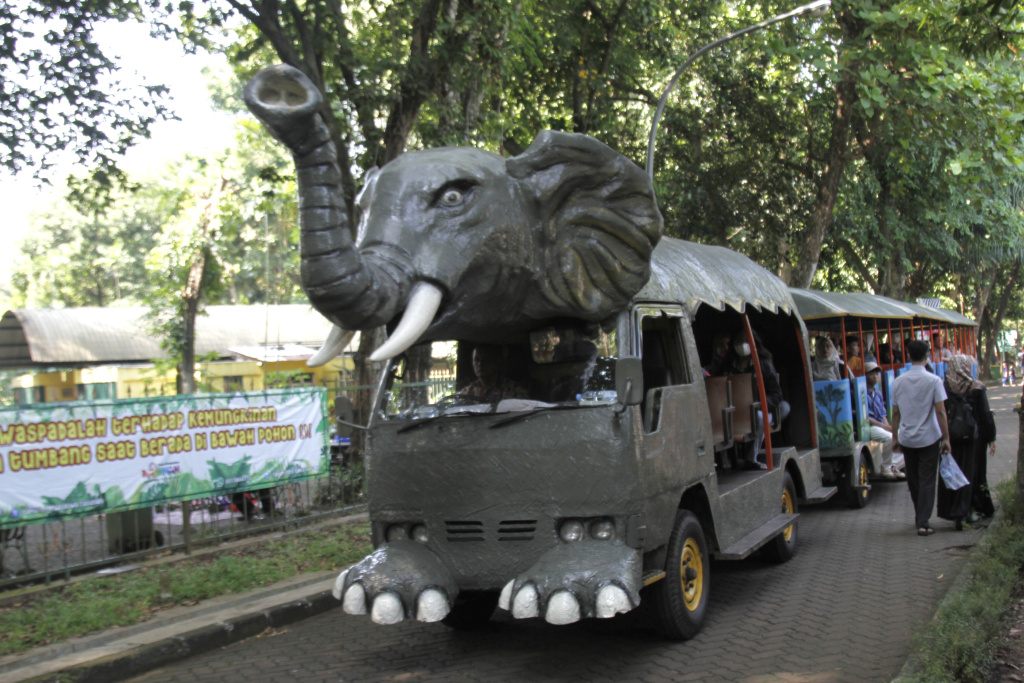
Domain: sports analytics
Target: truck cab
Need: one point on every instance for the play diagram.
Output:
(597, 465)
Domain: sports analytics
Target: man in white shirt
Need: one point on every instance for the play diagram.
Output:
(920, 431)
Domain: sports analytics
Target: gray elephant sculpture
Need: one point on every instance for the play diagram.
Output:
(458, 242)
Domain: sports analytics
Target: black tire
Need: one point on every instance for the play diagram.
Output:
(471, 610)
(783, 546)
(859, 476)
(681, 598)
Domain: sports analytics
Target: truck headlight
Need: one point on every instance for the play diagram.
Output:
(419, 533)
(396, 532)
(602, 530)
(572, 530)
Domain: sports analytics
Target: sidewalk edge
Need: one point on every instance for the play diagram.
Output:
(145, 658)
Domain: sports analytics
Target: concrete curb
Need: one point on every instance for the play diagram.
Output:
(145, 658)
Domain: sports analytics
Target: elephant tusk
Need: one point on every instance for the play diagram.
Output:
(337, 340)
(423, 305)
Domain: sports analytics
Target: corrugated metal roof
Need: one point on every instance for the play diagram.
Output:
(702, 274)
(813, 304)
(816, 305)
(90, 335)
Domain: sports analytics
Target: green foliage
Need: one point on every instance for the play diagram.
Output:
(129, 598)
(916, 103)
(62, 93)
(958, 644)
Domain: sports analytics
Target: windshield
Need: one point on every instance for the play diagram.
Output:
(555, 366)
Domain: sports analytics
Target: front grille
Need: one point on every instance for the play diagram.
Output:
(462, 532)
(517, 530)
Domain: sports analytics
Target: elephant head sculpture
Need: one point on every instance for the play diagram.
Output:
(457, 242)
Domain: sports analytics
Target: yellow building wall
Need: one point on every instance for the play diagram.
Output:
(217, 376)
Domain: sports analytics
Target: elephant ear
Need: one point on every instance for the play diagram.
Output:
(598, 224)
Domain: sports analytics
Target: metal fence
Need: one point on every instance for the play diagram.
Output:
(39, 553)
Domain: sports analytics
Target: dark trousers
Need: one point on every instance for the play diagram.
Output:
(922, 470)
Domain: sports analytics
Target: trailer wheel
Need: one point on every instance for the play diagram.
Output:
(783, 546)
(471, 610)
(858, 498)
(681, 598)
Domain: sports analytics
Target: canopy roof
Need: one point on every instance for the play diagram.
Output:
(76, 337)
(701, 274)
(816, 305)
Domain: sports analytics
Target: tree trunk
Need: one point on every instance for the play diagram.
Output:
(828, 185)
(190, 309)
(1019, 507)
(1009, 287)
(193, 292)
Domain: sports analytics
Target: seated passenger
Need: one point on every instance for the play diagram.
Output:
(855, 363)
(826, 364)
(885, 354)
(881, 430)
(778, 407)
(721, 355)
(489, 384)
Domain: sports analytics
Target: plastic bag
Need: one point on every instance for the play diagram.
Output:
(951, 474)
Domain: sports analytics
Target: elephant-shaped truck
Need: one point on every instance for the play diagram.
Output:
(580, 459)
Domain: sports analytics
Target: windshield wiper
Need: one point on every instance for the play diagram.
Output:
(427, 420)
(537, 411)
(418, 423)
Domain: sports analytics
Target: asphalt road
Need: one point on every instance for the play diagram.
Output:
(845, 608)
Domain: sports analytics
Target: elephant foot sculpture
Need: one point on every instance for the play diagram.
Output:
(397, 581)
(570, 582)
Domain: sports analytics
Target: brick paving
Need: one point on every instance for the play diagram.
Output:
(845, 608)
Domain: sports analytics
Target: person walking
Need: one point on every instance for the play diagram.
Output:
(920, 431)
(962, 391)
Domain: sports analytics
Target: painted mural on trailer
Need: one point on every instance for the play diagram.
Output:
(835, 413)
(68, 460)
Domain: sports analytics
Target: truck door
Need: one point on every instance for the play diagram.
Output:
(676, 442)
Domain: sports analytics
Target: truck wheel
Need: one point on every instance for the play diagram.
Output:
(471, 611)
(783, 546)
(858, 498)
(681, 598)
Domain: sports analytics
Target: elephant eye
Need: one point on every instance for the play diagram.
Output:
(451, 197)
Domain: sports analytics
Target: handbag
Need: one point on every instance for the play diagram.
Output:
(951, 474)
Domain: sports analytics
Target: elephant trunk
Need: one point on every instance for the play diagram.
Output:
(354, 292)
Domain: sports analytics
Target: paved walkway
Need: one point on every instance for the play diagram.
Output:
(845, 608)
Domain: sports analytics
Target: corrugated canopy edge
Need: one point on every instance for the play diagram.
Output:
(702, 274)
(76, 337)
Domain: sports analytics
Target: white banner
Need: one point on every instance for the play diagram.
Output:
(65, 460)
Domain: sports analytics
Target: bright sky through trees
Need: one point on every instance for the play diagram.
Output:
(158, 62)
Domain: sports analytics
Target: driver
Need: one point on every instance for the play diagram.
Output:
(489, 385)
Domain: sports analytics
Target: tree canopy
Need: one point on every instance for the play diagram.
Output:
(61, 92)
(876, 148)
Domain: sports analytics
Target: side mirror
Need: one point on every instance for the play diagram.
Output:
(629, 381)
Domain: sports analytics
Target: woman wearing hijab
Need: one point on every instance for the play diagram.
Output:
(826, 364)
(968, 453)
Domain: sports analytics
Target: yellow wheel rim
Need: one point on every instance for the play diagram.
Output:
(788, 508)
(691, 574)
(863, 477)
